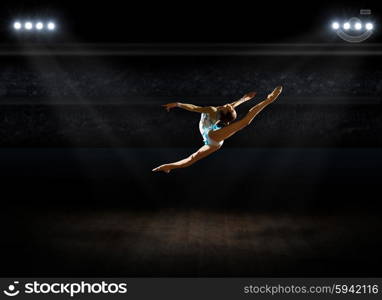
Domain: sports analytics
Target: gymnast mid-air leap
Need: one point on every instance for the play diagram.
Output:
(216, 125)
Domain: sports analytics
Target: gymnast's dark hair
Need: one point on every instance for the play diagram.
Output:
(226, 117)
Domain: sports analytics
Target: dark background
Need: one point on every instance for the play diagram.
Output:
(295, 194)
(196, 21)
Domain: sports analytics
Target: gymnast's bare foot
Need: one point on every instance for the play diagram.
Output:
(275, 93)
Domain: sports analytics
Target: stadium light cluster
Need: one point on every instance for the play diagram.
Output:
(355, 29)
(36, 26)
(356, 26)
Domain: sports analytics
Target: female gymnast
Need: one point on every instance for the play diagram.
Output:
(216, 125)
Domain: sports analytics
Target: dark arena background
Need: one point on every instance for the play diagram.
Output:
(297, 193)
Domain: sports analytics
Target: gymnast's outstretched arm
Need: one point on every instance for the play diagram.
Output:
(190, 107)
(186, 162)
(243, 99)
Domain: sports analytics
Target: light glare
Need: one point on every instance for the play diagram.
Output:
(335, 25)
(51, 26)
(358, 26)
(346, 25)
(369, 26)
(39, 25)
(28, 25)
(17, 25)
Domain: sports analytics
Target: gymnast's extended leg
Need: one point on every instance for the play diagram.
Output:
(193, 158)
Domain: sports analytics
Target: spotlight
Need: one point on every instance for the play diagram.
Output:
(346, 26)
(358, 26)
(369, 26)
(335, 25)
(28, 25)
(51, 26)
(354, 29)
(17, 25)
(39, 25)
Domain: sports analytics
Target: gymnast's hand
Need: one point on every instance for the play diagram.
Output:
(164, 168)
(168, 106)
(249, 96)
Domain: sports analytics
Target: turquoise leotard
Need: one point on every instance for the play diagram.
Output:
(205, 126)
